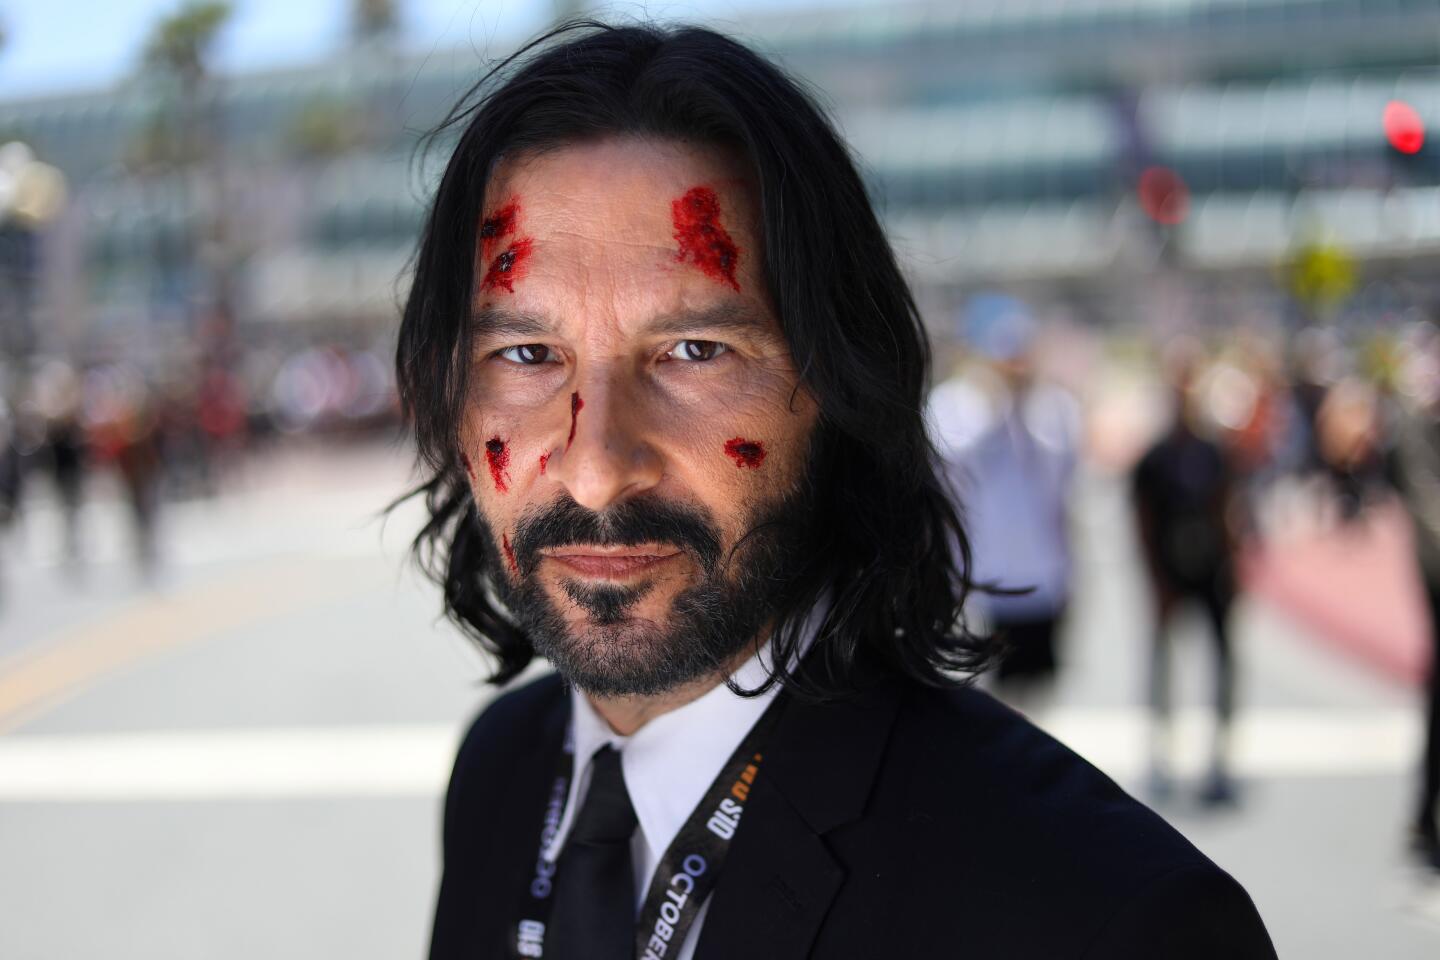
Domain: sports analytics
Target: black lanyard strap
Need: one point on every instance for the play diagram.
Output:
(686, 873)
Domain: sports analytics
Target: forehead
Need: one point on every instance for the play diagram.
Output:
(624, 221)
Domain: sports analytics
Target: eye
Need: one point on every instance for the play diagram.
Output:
(529, 354)
(694, 351)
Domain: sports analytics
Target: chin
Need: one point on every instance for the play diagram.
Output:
(629, 655)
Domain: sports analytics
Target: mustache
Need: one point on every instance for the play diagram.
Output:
(564, 523)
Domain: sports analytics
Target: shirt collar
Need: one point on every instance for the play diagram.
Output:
(673, 759)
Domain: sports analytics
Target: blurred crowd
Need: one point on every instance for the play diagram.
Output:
(178, 427)
(1224, 444)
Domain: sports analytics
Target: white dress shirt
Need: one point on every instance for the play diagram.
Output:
(1012, 460)
(668, 764)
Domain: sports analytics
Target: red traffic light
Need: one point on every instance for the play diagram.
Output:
(1403, 127)
(1164, 196)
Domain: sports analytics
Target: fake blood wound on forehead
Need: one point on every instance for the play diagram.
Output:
(703, 240)
(745, 453)
(498, 226)
(576, 405)
(498, 456)
(469, 467)
(509, 553)
(509, 266)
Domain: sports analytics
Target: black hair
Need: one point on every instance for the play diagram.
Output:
(891, 551)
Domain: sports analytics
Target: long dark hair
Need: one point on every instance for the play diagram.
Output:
(891, 551)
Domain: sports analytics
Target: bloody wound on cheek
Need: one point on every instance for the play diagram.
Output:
(509, 553)
(499, 458)
(544, 459)
(745, 453)
(703, 241)
(576, 405)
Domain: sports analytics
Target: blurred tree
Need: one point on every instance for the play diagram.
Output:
(183, 139)
(182, 42)
(329, 125)
(374, 21)
(325, 127)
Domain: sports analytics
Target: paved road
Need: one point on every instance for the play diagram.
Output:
(245, 758)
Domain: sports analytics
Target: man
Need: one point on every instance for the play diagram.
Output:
(667, 381)
(1009, 440)
(1182, 490)
(1417, 459)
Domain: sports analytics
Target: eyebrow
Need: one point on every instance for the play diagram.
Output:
(489, 322)
(721, 318)
(493, 323)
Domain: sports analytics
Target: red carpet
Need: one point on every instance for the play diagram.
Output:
(1356, 587)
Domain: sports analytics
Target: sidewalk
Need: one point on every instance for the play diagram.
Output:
(1356, 587)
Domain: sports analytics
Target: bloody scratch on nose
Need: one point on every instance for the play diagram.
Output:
(576, 405)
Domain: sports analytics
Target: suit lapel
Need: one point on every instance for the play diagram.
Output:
(778, 883)
(780, 878)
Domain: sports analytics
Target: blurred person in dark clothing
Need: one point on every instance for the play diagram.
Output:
(127, 433)
(1348, 440)
(667, 386)
(1182, 490)
(1315, 361)
(64, 451)
(221, 413)
(55, 398)
(12, 476)
(139, 459)
(1417, 457)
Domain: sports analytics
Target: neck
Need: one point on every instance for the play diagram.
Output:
(627, 714)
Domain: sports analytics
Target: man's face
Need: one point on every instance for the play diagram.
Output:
(635, 433)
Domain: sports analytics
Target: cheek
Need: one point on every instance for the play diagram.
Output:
(746, 453)
(502, 461)
(745, 448)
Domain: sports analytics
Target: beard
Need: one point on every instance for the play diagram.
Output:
(611, 652)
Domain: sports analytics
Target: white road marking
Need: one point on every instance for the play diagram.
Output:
(275, 763)
(1270, 742)
(414, 760)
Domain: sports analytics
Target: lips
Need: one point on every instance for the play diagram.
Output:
(608, 563)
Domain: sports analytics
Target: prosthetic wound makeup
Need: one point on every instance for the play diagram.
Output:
(703, 240)
(745, 453)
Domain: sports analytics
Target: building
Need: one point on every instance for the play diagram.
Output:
(1086, 151)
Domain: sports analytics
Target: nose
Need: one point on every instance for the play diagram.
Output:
(605, 454)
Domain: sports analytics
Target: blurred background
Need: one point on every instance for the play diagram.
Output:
(1179, 260)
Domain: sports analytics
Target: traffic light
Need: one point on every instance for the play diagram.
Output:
(1414, 159)
(1404, 128)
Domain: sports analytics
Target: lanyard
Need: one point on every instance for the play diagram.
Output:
(687, 871)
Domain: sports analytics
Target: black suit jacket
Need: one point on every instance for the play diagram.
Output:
(908, 822)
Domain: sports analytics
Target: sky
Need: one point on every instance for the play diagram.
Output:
(61, 45)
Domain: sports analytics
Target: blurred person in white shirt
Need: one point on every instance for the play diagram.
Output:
(1009, 440)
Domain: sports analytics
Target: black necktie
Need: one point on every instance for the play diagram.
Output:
(594, 913)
